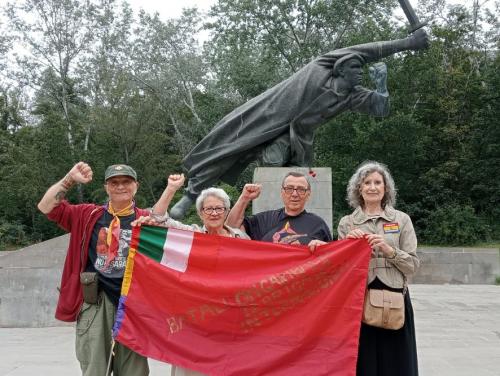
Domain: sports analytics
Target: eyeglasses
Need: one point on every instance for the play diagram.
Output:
(217, 210)
(301, 191)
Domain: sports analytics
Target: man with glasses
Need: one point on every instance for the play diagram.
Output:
(94, 266)
(291, 224)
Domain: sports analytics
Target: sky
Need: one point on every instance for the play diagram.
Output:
(169, 8)
(173, 8)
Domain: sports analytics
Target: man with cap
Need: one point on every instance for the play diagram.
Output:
(276, 128)
(94, 265)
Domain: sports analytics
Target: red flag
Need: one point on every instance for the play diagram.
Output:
(225, 306)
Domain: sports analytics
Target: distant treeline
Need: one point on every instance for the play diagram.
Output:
(89, 80)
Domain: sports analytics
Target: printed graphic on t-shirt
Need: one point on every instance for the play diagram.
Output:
(287, 235)
(115, 268)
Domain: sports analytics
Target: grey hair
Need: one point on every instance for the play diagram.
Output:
(354, 197)
(296, 174)
(213, 192)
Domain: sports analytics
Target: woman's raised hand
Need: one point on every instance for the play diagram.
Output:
(176, 181)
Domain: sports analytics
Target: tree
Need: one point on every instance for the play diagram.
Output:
(256, 44)
(168, 65)
(54, 33)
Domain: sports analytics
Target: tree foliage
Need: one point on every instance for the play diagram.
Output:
(92, 81)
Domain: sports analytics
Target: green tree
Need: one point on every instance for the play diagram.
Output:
(54, 33)
(256, 44)
(169, 66)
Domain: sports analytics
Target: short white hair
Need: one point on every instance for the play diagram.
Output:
(218, 193)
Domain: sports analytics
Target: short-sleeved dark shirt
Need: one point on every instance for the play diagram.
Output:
(110, 274)
(277, 227)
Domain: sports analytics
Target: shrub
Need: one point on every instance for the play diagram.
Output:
(455, 225)
(12, 234)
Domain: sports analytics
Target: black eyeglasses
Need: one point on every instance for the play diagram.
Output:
(301, 191)
(217, 210)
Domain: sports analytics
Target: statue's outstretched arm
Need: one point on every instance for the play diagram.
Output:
(376, 50)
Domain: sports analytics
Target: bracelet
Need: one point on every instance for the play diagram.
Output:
(158, 218)
(67, 182)
(393, 255)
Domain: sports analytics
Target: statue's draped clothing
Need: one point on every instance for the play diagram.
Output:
(289, 111)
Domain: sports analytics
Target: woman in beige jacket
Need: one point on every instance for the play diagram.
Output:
(372, 194)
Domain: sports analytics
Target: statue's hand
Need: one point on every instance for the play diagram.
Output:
(378, 74)
(419, 40)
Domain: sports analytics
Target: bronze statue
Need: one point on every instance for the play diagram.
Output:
(277, 127)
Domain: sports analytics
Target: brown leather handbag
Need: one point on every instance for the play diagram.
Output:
(384, 309)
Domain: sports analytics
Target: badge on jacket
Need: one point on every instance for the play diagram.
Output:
(391, 228)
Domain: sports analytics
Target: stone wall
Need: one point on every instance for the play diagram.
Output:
(458, 265)
(29, 279)
(30, 276)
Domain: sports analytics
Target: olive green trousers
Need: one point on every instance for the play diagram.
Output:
(94, 341)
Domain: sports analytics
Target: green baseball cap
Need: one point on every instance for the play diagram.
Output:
(120, 170)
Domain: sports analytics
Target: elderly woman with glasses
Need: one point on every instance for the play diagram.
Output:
(213, 206)
(372, 194)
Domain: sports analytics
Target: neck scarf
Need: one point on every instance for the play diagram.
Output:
(113, 236)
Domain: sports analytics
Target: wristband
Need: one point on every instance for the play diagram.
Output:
(67, 182)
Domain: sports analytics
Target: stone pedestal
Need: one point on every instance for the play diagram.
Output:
(319, 203)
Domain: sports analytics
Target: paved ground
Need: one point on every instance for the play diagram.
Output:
(458, 334)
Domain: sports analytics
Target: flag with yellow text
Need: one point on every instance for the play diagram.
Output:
(226, 306)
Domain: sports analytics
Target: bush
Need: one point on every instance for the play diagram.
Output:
(455, 225)
(12, 234)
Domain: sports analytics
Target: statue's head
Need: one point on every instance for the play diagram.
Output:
(350, 68)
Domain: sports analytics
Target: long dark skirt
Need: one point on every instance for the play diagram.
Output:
(384, 352)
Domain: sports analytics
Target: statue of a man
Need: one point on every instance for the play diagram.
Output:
(277, 127)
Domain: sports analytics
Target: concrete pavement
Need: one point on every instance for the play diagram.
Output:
(458, 334)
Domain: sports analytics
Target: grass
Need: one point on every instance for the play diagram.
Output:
(4, 247)
(489, 245)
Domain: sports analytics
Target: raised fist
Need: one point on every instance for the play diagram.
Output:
(81, 173)
(251, 191)
(176, 181)
(378, 74)
(419, 40)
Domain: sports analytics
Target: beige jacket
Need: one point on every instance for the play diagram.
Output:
(397, 229)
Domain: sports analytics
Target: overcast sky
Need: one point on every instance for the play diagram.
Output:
(172, 8)
(169, 8)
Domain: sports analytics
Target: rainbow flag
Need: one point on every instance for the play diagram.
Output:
(226, 306)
